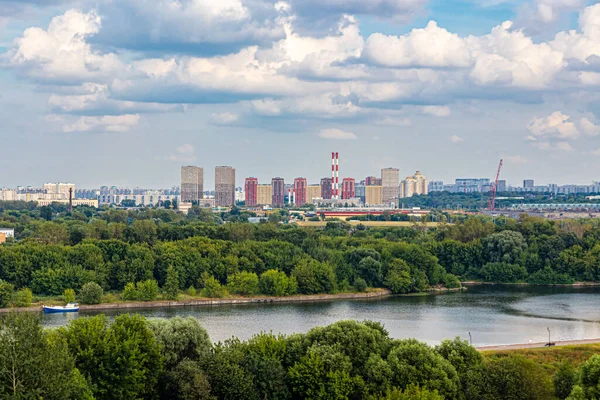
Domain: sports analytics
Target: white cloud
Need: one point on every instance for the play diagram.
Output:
(429, 47)
(61, 51)
(336, 134)
(558, 146)
(184, 153)
(107, 123)
(437, 111)
(588, 127)
(456, 139)
(556, 125)
(224, 118)
(564, 146)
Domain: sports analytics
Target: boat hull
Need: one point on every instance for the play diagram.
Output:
(54, 310)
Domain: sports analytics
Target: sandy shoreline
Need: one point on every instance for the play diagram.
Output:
(538, 345)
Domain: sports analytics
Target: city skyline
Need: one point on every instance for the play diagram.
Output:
(212, 83)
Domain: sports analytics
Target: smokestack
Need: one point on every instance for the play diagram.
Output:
(333, 175)
(70, 199)
(337, 175)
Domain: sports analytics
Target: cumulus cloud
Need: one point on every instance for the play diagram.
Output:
(184, 154)
(456, 139)
(399, 10)
(437, 111)
(556, 125)
(336, 134)
(536, 15)
(588, 127)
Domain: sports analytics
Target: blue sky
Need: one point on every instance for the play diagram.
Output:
(124, 92)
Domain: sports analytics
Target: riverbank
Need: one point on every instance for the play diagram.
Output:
(375, 293)
(538, 345)
(574, 284)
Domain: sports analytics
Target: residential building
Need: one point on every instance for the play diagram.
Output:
(528, 183)
(264, 195)
(390, 179)
(76, 202)
(224, 186)
(501, 186)
(436, 186)
(2, 238)
(192, 184)
(251, 192)
(8, 232)
(8, 195)
(348, 188)
(472, 185)
(278, 186)
(299, 191)
(313, 192)
(326, 188)
(373, 195)
(372, 181)
(360, 191)
(414, 185)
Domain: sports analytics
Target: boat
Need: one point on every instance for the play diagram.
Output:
(70, 307)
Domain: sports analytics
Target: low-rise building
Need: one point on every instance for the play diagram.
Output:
(8, 232)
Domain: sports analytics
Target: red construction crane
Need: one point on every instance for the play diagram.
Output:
(492, 201)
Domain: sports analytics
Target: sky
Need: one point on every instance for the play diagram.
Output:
(124, 92)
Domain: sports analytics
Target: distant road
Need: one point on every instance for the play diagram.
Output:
(537, 345)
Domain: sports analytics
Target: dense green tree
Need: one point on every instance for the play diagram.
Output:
(171, 287)
(244, 283)
(121, 360)
(469, 365)
(370, 270)
(179, 339)
(90, 293)
(187, 381)
(590, 377)
(36, 364)
(6, 293)
(564, 380)
(503, 272)
(515, 377)
(505, 246)
(314, 277)
(276, 283)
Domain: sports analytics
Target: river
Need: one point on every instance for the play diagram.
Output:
(494, 315)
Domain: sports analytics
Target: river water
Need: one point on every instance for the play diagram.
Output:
(494, 315)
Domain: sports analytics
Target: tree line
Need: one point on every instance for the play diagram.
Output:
(135, 358)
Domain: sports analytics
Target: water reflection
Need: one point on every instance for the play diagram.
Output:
(493, 314)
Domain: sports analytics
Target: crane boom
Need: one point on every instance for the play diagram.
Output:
(492, 201)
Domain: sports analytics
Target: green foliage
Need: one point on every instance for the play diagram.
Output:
(577, 394)
(548, 276)
(90, 293)
(451, 281)
(360, 285)
(413, 392)
(277, 283)
(515, 377)
(68, 296)
(22, 298)
(503, 272)
(147, 290)
(590, 377)
(36, 364)
(6, 293)
(187, 381)
(564, 380)
(244, 283)
(130, 292)
(179, 339)
(192, 291)
(171, 287)
(121, 360)
(314, 277)
(211, 287)
(398, 278)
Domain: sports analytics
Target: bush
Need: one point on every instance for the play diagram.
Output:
(192, 291)
(276, 283)
(211, 287)
(451, 281)
(564, 380)
(68, 296)
(129, 292)
(360, 284)
(244, 283)
(548, 276)
(6, 293)
(171, 287)
(90, 293)
(22, 298)
(314, 277)
(503, 272)
(147, 290)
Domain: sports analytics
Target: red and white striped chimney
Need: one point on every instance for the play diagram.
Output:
(333, 175)
(337, 175)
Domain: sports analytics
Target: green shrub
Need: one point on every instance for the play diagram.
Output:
(6, 293)
(90, 293)
(192, 291)
(276, 283)
(171, 287)
(244, 283)
(130, 292)
(68, 296)
(211, 287)
(451, 281)
(22, 298)
(360, 284)
(147, 290)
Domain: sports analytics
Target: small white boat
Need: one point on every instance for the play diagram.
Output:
(70, 307)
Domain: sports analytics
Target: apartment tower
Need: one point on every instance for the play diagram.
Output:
(192, 184)
(278, 186)
(251, 191)
(224, 186)
(348, 188)
(390, 180)
(326, 188)
(300, 191)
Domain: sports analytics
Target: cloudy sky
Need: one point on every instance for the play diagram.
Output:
(124, 92)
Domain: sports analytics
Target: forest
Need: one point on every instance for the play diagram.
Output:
(135, 358)
(149, 253)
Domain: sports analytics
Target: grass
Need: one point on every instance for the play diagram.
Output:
(551, 358)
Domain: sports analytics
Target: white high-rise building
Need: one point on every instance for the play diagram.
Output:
(414, 185)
